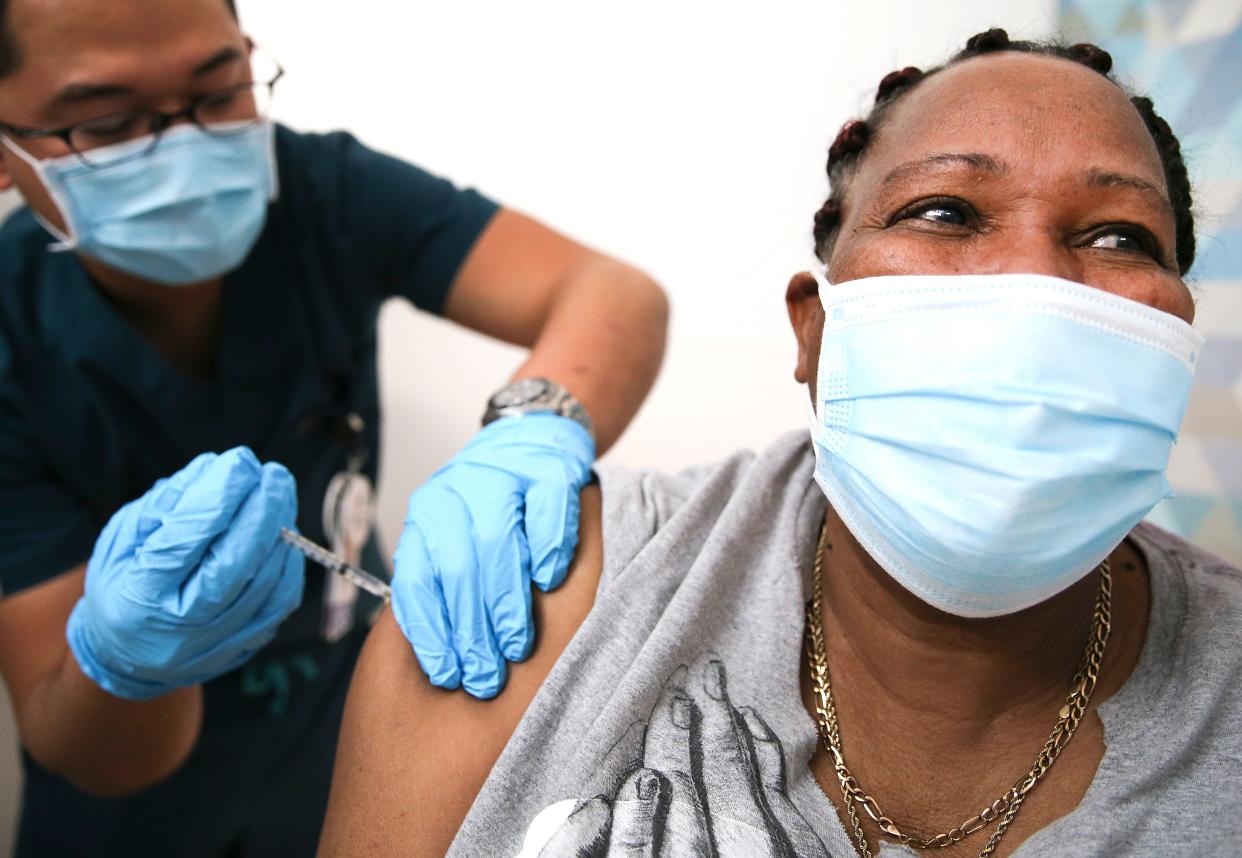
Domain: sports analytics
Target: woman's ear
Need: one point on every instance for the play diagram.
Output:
(806, 314)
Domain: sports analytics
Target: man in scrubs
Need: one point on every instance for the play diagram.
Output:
(188, 309)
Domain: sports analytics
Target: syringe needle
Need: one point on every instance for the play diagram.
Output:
(325, 558)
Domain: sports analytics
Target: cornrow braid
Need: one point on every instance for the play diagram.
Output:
(988, 41)
(851, 139)
(844, 151)
(851, 142)
(1176, 177)
(896, 80)
(1096, 59)
(826, 221)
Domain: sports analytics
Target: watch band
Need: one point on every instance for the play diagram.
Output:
(536, 396)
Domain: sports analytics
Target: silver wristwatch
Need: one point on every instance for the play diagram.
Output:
(536, 396)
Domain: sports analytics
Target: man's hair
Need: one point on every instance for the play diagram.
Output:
(10, 57)
(851, 142)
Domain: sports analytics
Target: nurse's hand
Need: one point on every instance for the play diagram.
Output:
(501, 514)
(188, 581)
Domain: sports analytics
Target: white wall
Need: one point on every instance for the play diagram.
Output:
(686, 137)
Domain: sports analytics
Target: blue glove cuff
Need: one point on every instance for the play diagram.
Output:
(544, 428)
(78, 636)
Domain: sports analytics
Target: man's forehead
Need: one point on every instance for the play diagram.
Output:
(115, 45)
(64, 26)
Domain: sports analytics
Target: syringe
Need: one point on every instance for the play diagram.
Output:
(361, 579)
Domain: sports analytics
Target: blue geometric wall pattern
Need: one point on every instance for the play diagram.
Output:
(1187, 55)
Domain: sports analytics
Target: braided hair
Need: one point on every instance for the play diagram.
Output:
(851, 142)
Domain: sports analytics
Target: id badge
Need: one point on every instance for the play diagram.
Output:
(348, 513)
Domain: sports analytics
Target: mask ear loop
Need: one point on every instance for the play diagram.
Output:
(269, 129)
(816, 270)
(64, 241)
(815, 408)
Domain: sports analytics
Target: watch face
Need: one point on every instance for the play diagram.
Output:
(520, 393)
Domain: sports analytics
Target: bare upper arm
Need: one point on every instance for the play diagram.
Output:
(511, 278)
(412, 757)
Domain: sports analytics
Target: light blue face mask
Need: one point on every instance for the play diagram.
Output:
(188, 211)
(989, 439)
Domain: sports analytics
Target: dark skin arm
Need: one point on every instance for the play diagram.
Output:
(102, 744)
(412, 757)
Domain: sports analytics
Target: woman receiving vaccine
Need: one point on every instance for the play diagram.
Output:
(936, 623)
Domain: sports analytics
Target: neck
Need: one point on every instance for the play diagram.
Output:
(181, 322)
(963, 678)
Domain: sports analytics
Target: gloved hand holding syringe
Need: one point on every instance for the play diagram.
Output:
(189, 581)
(334, 563)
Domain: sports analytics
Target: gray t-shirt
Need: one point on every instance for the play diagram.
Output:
(673, 724)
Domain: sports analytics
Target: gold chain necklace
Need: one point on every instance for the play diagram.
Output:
(1007, 806)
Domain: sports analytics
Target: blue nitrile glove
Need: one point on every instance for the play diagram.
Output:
(188, 581)
(501, 514)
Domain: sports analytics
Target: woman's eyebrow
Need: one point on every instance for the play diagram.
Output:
(1108, 179)
(1099, 178)
(935, 163)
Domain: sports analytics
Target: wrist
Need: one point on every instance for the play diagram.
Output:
(536, 395)
(92, 663)
(552, 432)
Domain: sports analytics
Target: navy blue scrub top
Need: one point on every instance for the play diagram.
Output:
(91, 416)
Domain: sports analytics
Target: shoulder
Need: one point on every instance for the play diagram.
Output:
(662, 496)
(412, 757)
(639, 504)
(336, 166)
(310, 166)
(315, 167)
(1193, 651)
(301, 151)
(1196, 620)
(1207, 583)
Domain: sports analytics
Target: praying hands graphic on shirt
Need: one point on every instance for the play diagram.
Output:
(711, 780)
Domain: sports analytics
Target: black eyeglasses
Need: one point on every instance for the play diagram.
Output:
(225, 113)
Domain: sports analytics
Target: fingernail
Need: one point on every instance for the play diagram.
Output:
(714, 681)
(518, 650)
(445, 680)
(482, 687)
(486, 692)
(648, 785)
(682, 712)
(481, 680)
(442, 672)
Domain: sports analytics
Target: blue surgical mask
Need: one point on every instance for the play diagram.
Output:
(989, 439)
(189, 210)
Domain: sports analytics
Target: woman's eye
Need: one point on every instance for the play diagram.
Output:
(1120, 240)
(942, 214)
(949, 212)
